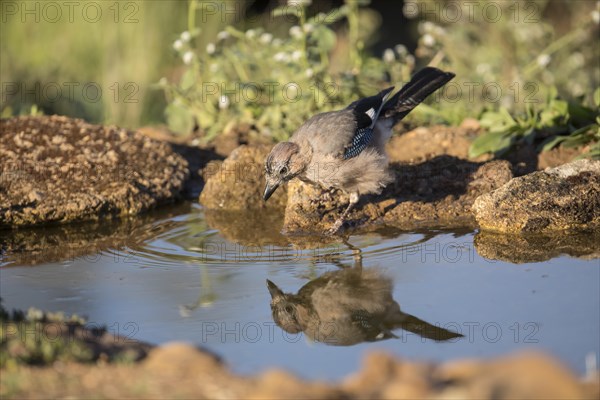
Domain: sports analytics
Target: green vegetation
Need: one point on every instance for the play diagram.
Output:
(526, 70)
(274, 84)
(39, 338)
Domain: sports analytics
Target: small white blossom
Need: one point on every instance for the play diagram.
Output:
(410, 9)
(178, 45)
(211, 48)
(401, 49)
(188, 57)
(427, 27)
(223, 102)
(309, 73)
(596, 16)
(410, 59)
(222, 35)
(163, 81)
(428, 40)
(281, 57)
(266, 38)
(388, 56)
(296, 32)
(250, 33)
(308, 28)
(296, 55)
(483, 68)
(543, 60)
(186, 36)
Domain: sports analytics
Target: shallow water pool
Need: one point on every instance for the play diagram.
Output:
(184, 274)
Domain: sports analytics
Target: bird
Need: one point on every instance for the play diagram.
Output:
(345, 149)
(346, 307)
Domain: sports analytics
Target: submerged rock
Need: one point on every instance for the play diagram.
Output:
(238, 182)
(561, 198)
(436, 192)
(58, 169)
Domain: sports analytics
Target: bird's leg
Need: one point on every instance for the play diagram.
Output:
(340, 221)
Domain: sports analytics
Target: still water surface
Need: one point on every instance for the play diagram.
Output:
(183, 274)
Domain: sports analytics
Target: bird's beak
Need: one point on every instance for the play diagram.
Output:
(270, 189)
(273, 289)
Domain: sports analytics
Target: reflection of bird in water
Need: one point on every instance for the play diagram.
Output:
(346, 307)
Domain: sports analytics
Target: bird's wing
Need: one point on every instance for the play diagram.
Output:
(344, 133)
(365, 112)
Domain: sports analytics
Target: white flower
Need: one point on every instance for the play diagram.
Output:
(266, 38)
(296, 32)
(281, 57)
(163, 81)
(188, 57)
(186, 36)
(596, 16)
(308, 28)
(401, 49)
(410, 59)
(296, 55)
(543, 60)
(178, 45)
(483, 68)
(428, 40)
(439, 31)
(388, 56)
(223, 102)
(250, 33)
(222, 35)
(309, 73)
(211, 48)
(410, 9)
(427, 27)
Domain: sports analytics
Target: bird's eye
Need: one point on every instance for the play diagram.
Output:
(283, 171)
(289, 309)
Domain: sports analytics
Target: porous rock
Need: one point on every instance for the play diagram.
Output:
(59, 169)
(556, 199)
(238, 182)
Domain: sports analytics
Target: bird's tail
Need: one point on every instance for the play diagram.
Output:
(422, 84)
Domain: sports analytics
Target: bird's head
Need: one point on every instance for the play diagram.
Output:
(283, 163)
(287, 312)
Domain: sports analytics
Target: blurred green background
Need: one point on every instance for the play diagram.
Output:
(135, 63)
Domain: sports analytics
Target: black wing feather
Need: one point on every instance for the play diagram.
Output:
(365, 111)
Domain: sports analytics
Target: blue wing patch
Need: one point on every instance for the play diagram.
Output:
(359, 142)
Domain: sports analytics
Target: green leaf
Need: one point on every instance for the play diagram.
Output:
(490, 142)
(179, 119)
(597, 97)
(188, 79)
(325, 38)
(551, 143)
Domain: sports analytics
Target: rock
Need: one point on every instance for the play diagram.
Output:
(526, 375)
(58, 169)
(238, 182)
(436, 192)
(561, 198)
(517, 248)
(427, 142)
